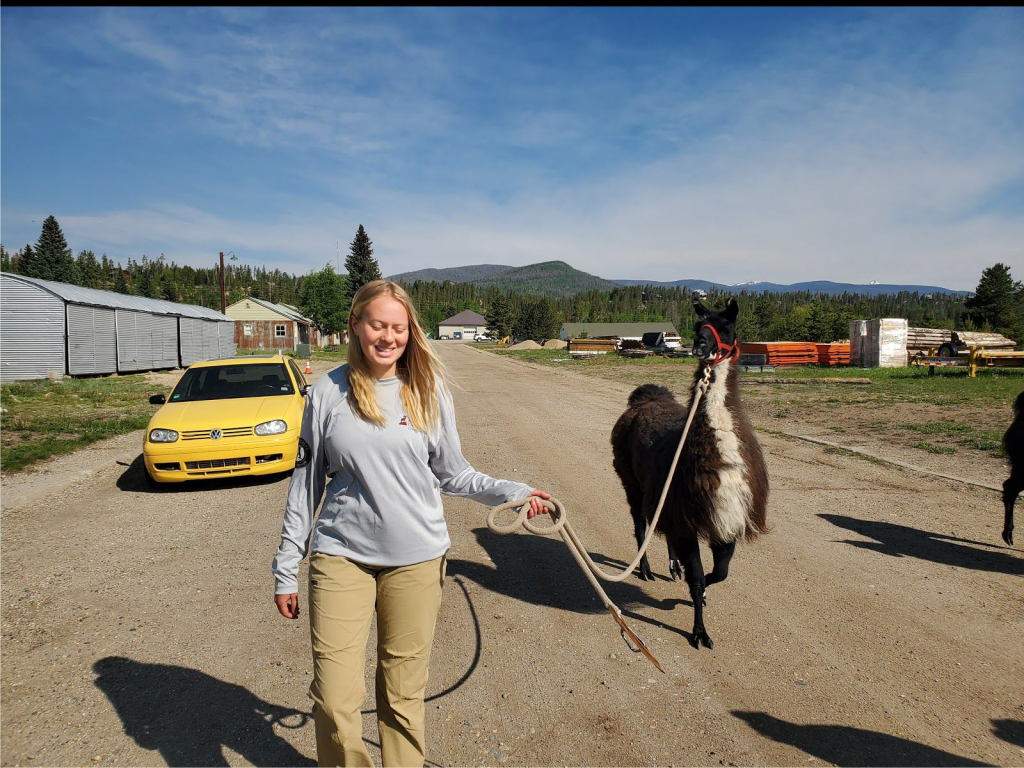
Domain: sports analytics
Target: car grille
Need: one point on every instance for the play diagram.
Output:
(204, 434)
(217, 463)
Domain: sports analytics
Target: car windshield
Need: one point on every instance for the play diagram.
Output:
(225, 382)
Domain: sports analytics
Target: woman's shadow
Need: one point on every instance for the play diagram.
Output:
(189, 716)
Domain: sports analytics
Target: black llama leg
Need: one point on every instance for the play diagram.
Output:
(1011, 488)
(689, 550)
(675, 568)
(635, 497)
(723, 554)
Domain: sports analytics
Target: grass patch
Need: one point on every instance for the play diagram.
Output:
(854, 454)
(924, 445)
(54, 417)
(940, 428)
(338, 353)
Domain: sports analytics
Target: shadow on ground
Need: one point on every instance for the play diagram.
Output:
(540, 570)
(133, 480)
(1011, 731)
(189, 716)
(903, 541)
(842, 745)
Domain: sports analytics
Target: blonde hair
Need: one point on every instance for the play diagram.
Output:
(420, 370)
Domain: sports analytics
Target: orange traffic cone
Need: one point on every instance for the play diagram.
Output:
(308, 368)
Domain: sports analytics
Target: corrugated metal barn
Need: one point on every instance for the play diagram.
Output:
(56, 328)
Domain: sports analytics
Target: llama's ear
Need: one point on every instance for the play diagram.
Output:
(732, 310)
(700, 309)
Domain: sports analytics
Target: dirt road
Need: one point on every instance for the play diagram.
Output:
(879, 624)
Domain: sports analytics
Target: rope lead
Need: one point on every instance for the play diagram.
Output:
(560, 525)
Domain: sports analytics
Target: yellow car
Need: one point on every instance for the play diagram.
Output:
(236, 416)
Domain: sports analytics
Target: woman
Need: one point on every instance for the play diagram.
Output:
(380, 434)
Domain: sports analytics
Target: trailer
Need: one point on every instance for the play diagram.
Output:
(975, 358)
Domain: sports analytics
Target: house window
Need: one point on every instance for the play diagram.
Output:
(247, 329)
(279, 331)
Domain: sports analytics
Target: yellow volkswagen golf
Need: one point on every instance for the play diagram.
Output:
(236, 416)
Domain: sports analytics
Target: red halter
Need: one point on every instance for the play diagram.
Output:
(725, 351)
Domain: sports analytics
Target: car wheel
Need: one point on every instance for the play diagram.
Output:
(302, 455)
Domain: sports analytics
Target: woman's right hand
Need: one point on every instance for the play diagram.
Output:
(288, 605)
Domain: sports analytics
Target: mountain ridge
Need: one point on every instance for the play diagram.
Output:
(558, 278)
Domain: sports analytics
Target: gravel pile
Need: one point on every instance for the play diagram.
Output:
(555, 344)
(528, 344)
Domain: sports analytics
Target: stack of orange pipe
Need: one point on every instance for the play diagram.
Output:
(836, 353)
(783, 352)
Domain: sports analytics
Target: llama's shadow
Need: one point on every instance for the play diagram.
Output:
(1011, 731)
(189, 716)
(844, 745)
(903, 541)
(541, 571)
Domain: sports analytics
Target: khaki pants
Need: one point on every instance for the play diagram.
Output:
(342, 598)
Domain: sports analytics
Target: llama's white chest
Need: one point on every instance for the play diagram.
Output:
(734, 497)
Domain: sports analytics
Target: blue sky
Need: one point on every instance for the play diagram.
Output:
(723, 144)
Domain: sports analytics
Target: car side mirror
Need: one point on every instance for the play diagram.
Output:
(304, 389)
(157, 399)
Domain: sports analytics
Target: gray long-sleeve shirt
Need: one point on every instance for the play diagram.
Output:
(384, 484)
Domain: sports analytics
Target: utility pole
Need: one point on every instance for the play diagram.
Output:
(223, 301)
(337, 250)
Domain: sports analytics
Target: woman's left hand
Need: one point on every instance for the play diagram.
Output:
(536, 507)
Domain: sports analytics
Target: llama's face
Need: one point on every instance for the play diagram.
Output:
(705, 345)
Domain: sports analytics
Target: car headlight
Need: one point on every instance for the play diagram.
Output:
(163, 436)
(275, 427)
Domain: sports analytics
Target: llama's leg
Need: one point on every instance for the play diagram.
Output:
(1011, 489)
(635, 497)
(675, 567)
(643, 570)
(723, 554)
(689, 549)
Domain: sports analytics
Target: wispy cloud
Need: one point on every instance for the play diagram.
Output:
(851, 149)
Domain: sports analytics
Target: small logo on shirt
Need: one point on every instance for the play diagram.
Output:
(404, 422)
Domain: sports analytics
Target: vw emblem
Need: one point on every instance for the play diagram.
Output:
(216, 434)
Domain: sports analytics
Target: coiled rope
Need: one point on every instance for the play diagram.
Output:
(560, 525)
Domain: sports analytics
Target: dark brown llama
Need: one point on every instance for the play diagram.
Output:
(1013, 444)
(719, 493)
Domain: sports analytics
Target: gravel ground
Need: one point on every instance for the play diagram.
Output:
(876, 625)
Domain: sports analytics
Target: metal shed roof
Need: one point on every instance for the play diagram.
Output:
(76, 294)
(282, 309)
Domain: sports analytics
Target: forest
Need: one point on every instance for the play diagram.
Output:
(521, 311)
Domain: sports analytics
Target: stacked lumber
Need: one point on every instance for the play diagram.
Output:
(836, 353)
(593, 345)
(885, 344)
(978, 339)
(782, 352)
(923, 339)
(858, 334)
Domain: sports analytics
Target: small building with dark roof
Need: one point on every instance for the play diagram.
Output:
(464, 325)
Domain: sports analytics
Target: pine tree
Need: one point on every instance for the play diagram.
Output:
(90, 273)
(997, 303)
(5, 259)
(362, 268)
(120, 283)
(53, 259)
(500, 317)
(24, 261)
